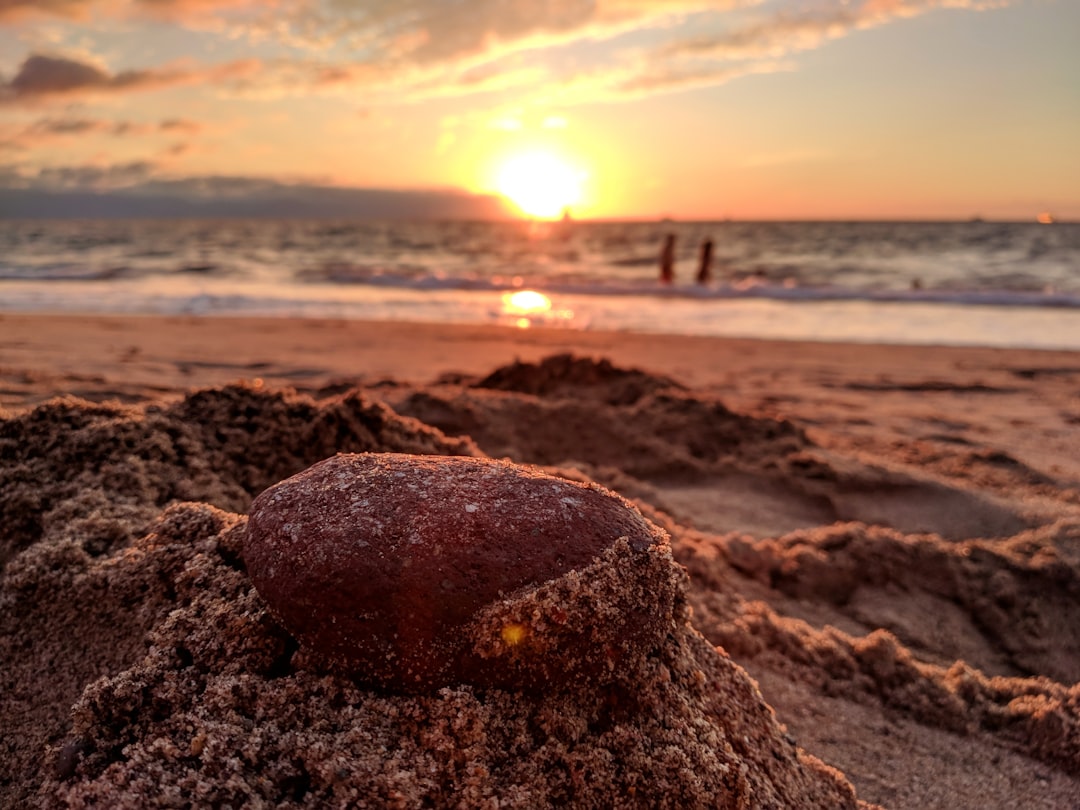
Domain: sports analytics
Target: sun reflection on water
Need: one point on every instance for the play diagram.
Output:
(525, 302)
(526, 308)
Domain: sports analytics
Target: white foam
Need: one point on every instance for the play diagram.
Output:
(865, 320)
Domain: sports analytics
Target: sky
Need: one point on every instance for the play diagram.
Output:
(743, 109)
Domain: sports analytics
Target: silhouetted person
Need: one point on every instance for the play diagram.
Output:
(704, 273)
(667, 259)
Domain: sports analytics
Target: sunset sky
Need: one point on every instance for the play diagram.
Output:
(619, 108)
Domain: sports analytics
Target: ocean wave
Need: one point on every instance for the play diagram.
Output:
(992, 284)
(418, 279)
(66, 272)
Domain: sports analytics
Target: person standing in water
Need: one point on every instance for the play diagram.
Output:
(704, 273)
(667, 259)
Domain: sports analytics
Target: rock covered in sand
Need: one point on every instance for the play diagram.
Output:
(416, 572)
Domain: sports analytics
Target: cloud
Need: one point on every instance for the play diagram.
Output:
(648, 78)
(674, 78)
(139, 190)
(20, 9)
(42, 78)
(787, 32)
(177, 150)
(761, 44)
(404, 51)
(180, 125)
(415, 50)
(423, 32)
(391, 38)
(89, 178)
(461, 34)
(10, 144)
(119, 129)
(194, 6)
(43, 75)
(777, 36)
(422, 49)
(66, 126)
(45, 131)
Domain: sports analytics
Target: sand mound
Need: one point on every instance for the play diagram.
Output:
(66, 619)
(659, 433)
(1011, 607)
(186, 690)
(222, 711)
(897, 605)
(97, 474)
(568, 376)
(79, 482)
(691, 455)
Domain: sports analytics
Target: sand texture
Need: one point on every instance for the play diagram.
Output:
(867, 593)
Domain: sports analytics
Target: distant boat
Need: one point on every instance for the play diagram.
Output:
(1045, 218)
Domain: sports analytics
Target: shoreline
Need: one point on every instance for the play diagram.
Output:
(177, 351)
(871, 322)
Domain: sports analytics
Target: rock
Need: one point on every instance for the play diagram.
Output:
(403, 570)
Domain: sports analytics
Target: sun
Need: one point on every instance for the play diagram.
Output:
(540, 184)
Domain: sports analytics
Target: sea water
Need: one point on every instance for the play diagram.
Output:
(971, 283)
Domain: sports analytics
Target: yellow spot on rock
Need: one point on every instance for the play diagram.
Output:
(514, 634)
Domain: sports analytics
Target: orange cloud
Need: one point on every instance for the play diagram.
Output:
(84, 126)
(430, 48)
(180, 125)
(787, 32)
(411, 50)
(111, 176)
(41, 77)
(44, 78)
(20, 9)
(45, 131)
(67, 126)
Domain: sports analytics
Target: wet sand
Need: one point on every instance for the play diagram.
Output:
(882, 547)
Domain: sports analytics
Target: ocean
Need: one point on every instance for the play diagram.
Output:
(950, 283)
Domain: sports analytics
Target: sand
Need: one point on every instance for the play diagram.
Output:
(874, 556)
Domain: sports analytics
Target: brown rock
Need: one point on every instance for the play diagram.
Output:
(391, 567)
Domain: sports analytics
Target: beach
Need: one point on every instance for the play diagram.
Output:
(873, 593)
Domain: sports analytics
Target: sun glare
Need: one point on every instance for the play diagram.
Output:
(525, 302)
(540, 184)
(524, 307)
